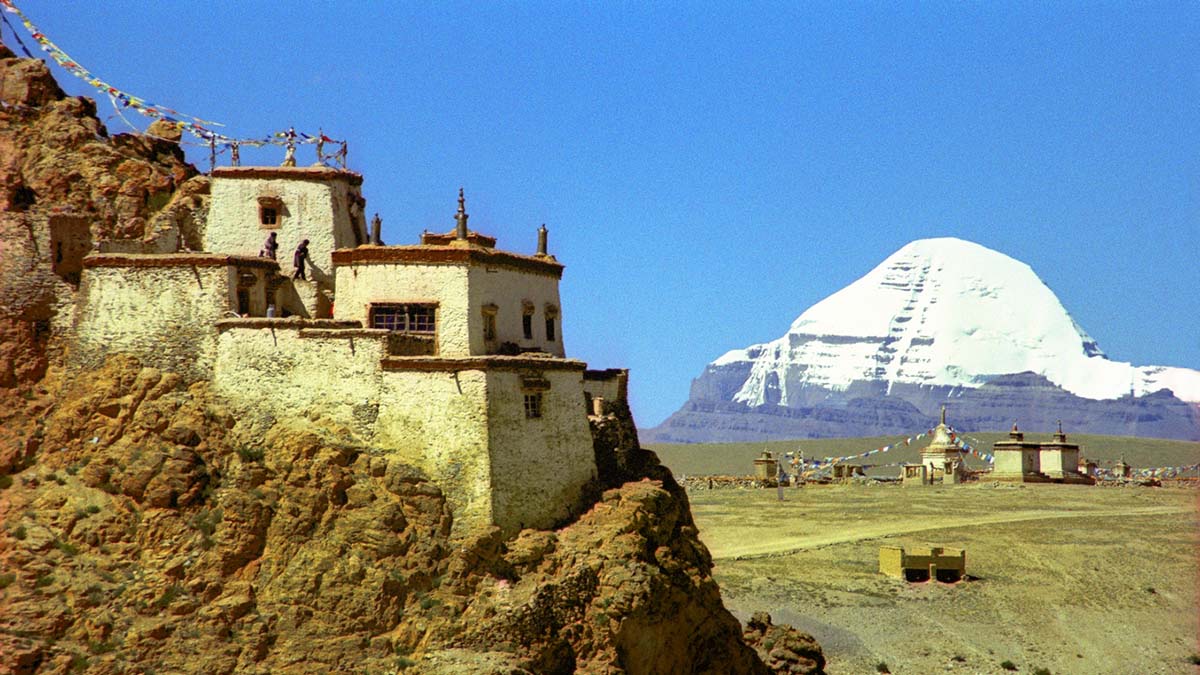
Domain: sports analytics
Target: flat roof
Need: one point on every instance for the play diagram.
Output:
(446, 255)
(192, 259)
(489, 362)
(288, 172)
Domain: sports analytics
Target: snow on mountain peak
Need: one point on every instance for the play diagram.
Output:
(942, 311)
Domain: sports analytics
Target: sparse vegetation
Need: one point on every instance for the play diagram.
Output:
(19, 534)
(1194, 659)
(882, 667)
(66, 547)
(97, 647)
(43, 581)
(168, 596)
(1008, 665)
(93, 508)
(6, 580)
(206, 521)
(822, 545)
(1042, 671)
(6, 482)
(251, 454)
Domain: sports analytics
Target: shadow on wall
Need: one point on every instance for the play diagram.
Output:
(289, 302)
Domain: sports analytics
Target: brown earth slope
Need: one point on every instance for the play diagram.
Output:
(152, 531)
(144, 528)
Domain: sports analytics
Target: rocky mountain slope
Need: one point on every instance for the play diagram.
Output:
(939, 321)
(144, 528)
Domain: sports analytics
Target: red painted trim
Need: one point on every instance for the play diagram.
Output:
(444, 255)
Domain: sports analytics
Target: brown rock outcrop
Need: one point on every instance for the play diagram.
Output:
(63, 178)
(146, 528)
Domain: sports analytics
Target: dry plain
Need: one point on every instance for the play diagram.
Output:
(1069, 579)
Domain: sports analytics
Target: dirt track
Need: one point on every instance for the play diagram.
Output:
(1074, 579)
(748, 550)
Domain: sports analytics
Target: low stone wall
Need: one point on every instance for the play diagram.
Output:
(291, 367)
(724, 482)
(162, 314)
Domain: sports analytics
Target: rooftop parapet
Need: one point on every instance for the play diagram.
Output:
(176, 260)
(446, 255)
(320, 173)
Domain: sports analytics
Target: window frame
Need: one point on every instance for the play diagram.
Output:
(490, 333)
(533, 404)
(527, 311)
(426, 317)
(270, 207)
(551, 314)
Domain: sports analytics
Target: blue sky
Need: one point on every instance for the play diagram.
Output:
(710, 170)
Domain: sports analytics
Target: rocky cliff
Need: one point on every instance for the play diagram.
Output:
(60, 169)
(144, 528)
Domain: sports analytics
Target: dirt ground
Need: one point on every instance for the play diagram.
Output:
(1070, 579)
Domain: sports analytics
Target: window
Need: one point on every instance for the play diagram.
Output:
(489, 322)
(270, 212)
(527, 319)
(533, 405)
(412, 318)
(551, 315)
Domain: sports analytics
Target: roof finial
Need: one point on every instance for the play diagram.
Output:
(1060, 426)
(943, 414)
(461, 217)
(542, 235)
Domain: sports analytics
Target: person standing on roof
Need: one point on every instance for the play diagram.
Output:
(269, 247)
(298, 260)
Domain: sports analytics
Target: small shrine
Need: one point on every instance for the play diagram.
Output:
(1060, 460)
(942, 458)
(1018, 460)
(766, 467)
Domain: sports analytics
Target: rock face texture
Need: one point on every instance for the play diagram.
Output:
(939, 321)
(65, 186)
(144, 529)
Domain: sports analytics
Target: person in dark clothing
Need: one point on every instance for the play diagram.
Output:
(298, 260)
(270, 246)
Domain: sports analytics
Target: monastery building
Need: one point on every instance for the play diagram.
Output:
(448, 353)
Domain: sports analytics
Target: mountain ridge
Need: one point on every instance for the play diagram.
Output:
(937, 318)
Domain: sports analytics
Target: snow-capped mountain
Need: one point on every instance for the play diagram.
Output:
(938, 319)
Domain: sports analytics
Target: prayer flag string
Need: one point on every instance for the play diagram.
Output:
(196, 126)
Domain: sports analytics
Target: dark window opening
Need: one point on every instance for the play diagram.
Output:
(527, 325)
(916, 575)
(550, 329)
(421, 319)
(243, 298)
(533, 405)
(23, 198)
(268, 215)
(70, 241)
(489, 327)
(949, 576)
